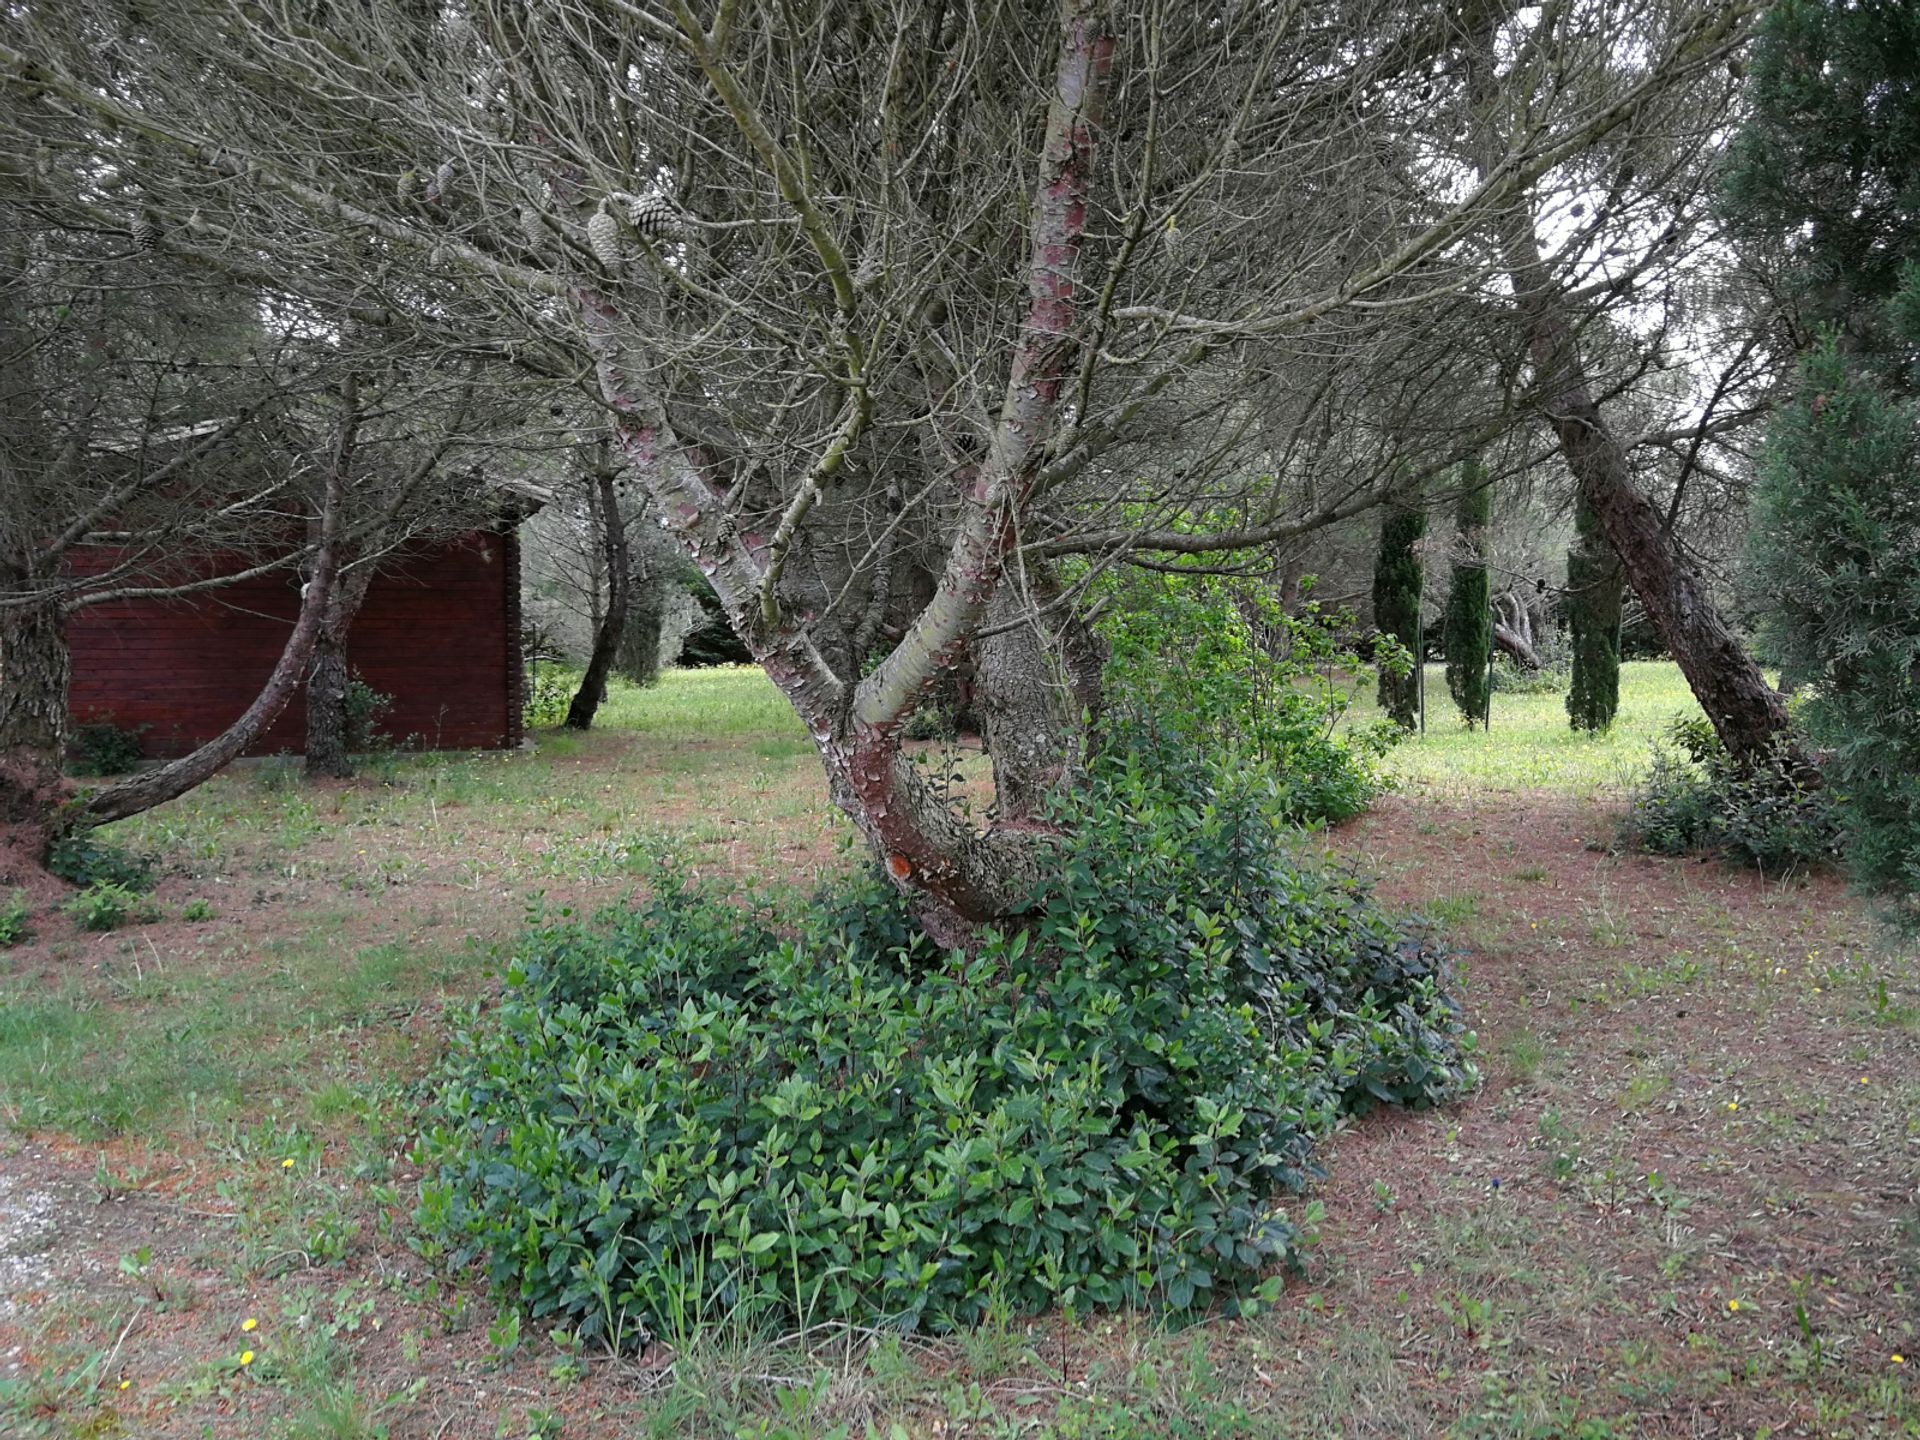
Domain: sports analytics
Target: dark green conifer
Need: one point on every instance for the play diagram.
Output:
(1594, 584)
(1397, 578)
(1469, 619)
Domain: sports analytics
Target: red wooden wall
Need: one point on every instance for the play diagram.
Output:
(439, 632)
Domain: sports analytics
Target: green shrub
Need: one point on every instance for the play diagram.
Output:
(365, 707)
(101, 747)
(104, 906)
(85, 859)
(691, 1111)
(1197, 667)
(932, 721)
(13, 920)
(547, 700)
(1696, 800)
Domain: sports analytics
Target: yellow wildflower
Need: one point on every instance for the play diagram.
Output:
(249, 1323)
(287, 1164)
(246, 1357)
(1733, 1304)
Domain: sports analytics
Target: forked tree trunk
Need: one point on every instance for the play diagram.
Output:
(959, 877)
(34, 672)
(1516, 646)
(613, 624)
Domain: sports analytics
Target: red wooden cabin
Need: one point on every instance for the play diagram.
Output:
(439, 631)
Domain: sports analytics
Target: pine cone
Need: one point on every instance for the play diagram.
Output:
(653, 216)
(603, 236)
(531, 229)
(146, 233)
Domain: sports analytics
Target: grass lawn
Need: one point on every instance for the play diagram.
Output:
(1530, 746)
(1682, 1203)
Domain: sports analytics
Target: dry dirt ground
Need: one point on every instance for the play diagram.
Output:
(1682, 1203)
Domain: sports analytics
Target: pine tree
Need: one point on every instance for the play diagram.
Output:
(1828, 170)
(1593, 625)
(1397, 578)
(1469, 619)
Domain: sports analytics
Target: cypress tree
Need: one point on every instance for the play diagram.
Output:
(1397, 579)
(1593, 624)
(1827, 172)
(1469, 620)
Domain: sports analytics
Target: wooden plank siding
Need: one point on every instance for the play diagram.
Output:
(439, 632)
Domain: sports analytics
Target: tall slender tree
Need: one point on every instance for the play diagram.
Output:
(1469, 615)
(1397, 580)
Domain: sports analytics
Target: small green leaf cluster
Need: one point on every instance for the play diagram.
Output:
(364, 708)
(689, 1111)
(15, 916)
(1696, 800)
(105, 905)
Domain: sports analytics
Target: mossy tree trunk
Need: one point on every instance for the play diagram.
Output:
(1469, 617)
(1397, 578)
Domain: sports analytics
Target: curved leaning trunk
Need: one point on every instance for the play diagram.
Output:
(1748, 714)
(142, 792)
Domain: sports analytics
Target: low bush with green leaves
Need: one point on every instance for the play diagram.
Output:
(691, 1112)
(104, 906)
(1696, 799)
(85, 859)
(101, 747)
(1547, 678)
(547, 700)
(364, 708)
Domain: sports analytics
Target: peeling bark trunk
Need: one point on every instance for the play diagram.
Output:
(613, 624)
(34, 673)
(155, 787)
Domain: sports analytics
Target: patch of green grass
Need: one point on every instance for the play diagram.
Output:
(206, 1043)
(1530, 745)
